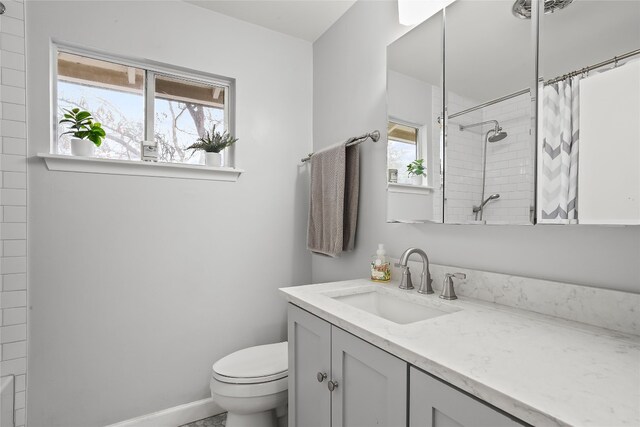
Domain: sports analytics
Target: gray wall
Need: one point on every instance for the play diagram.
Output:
(349, 99)
(137, 285)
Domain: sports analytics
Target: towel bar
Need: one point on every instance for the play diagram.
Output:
(375, 136)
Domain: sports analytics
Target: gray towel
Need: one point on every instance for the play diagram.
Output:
(333, 211)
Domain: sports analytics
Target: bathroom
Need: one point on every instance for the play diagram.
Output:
(123, 282)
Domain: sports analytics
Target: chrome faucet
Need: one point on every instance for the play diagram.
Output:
(425, 277)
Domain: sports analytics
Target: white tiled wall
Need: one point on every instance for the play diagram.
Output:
(510, 162)
(463, 177)
(13, 202)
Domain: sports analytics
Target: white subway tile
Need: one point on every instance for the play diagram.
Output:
(19, 400)
(14, 316)
(13, 111)
(15, 180)
(12, 43)
(20, 383)
(15, 231)
(13, 128)
(14, 366)
(13, 299)
(13, 265)
(14, 95)
(14, 248)
(14, 350)
(10, 25)
(11, 77)
(19, 417)
(14, 214)
(13, 197)
(13, 333)
(14, 9)
(12, 60)
(15, 281)
(13, 163)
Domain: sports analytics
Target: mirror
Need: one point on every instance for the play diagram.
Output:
(489, 147)
(414, 103)
(589, 114)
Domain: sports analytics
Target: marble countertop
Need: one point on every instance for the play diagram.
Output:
(541, 369)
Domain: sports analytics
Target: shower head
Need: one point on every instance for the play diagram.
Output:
(477, 209)
(498, 135)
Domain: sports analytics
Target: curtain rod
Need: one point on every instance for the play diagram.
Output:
(584, 70)
(375, 136)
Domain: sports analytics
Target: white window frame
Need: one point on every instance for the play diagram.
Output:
(150, 68)
(420, 133)
(422, 140)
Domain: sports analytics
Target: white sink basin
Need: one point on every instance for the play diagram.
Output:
(393, 308)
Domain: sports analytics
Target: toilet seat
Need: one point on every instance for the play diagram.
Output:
(253, 365)
(248, 390)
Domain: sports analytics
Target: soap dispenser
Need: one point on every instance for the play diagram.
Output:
(380, 267)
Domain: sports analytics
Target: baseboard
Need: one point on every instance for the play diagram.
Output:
(176, 416)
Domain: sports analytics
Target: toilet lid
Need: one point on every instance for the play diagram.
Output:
(253, 365)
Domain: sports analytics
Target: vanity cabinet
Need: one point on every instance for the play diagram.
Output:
(309, 356)
(337, 379)
(434, 403)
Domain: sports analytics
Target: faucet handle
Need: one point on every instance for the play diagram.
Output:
(406, 282)
(448, 292)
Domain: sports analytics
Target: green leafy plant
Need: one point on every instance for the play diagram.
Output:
(213, 142)
(82, 126)
(416, 168)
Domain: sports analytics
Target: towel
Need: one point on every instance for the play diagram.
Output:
(333, 211)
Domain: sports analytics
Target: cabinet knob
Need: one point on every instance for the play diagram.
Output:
(321, 376)
(332, 385)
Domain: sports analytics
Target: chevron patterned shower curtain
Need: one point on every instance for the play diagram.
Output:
(559, 175)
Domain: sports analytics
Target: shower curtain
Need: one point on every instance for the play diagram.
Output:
(559, 174)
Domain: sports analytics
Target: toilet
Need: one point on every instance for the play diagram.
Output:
(251, 385)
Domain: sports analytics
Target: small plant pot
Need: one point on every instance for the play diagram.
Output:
(213, 159)
(416, 179)
(82, 147)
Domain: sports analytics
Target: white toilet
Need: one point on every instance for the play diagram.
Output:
(251, 385)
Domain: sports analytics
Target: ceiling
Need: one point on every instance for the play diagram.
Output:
(304, 19)
(489, 51)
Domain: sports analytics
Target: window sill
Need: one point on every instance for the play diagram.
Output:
(57, 162)
(393, 187)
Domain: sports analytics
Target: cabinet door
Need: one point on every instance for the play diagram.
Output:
(435, 404)
(309, 354)
(372, 384)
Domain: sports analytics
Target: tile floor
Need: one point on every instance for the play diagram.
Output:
(215, 421)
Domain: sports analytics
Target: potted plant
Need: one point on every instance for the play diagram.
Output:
(212, 143)
(416, 171)
(87, 134)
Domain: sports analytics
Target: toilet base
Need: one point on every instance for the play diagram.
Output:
(258, 419)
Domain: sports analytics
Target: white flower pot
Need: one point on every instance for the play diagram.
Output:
(416, 179)
(82, 147)
(213, 159)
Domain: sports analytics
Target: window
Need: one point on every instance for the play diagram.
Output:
(136, 103)
(402, 149)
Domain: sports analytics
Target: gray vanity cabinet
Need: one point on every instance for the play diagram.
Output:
(309, 356)
(436, 404)
(364, 386)
(372, 384)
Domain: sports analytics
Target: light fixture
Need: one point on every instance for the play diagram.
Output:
(412, 12)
